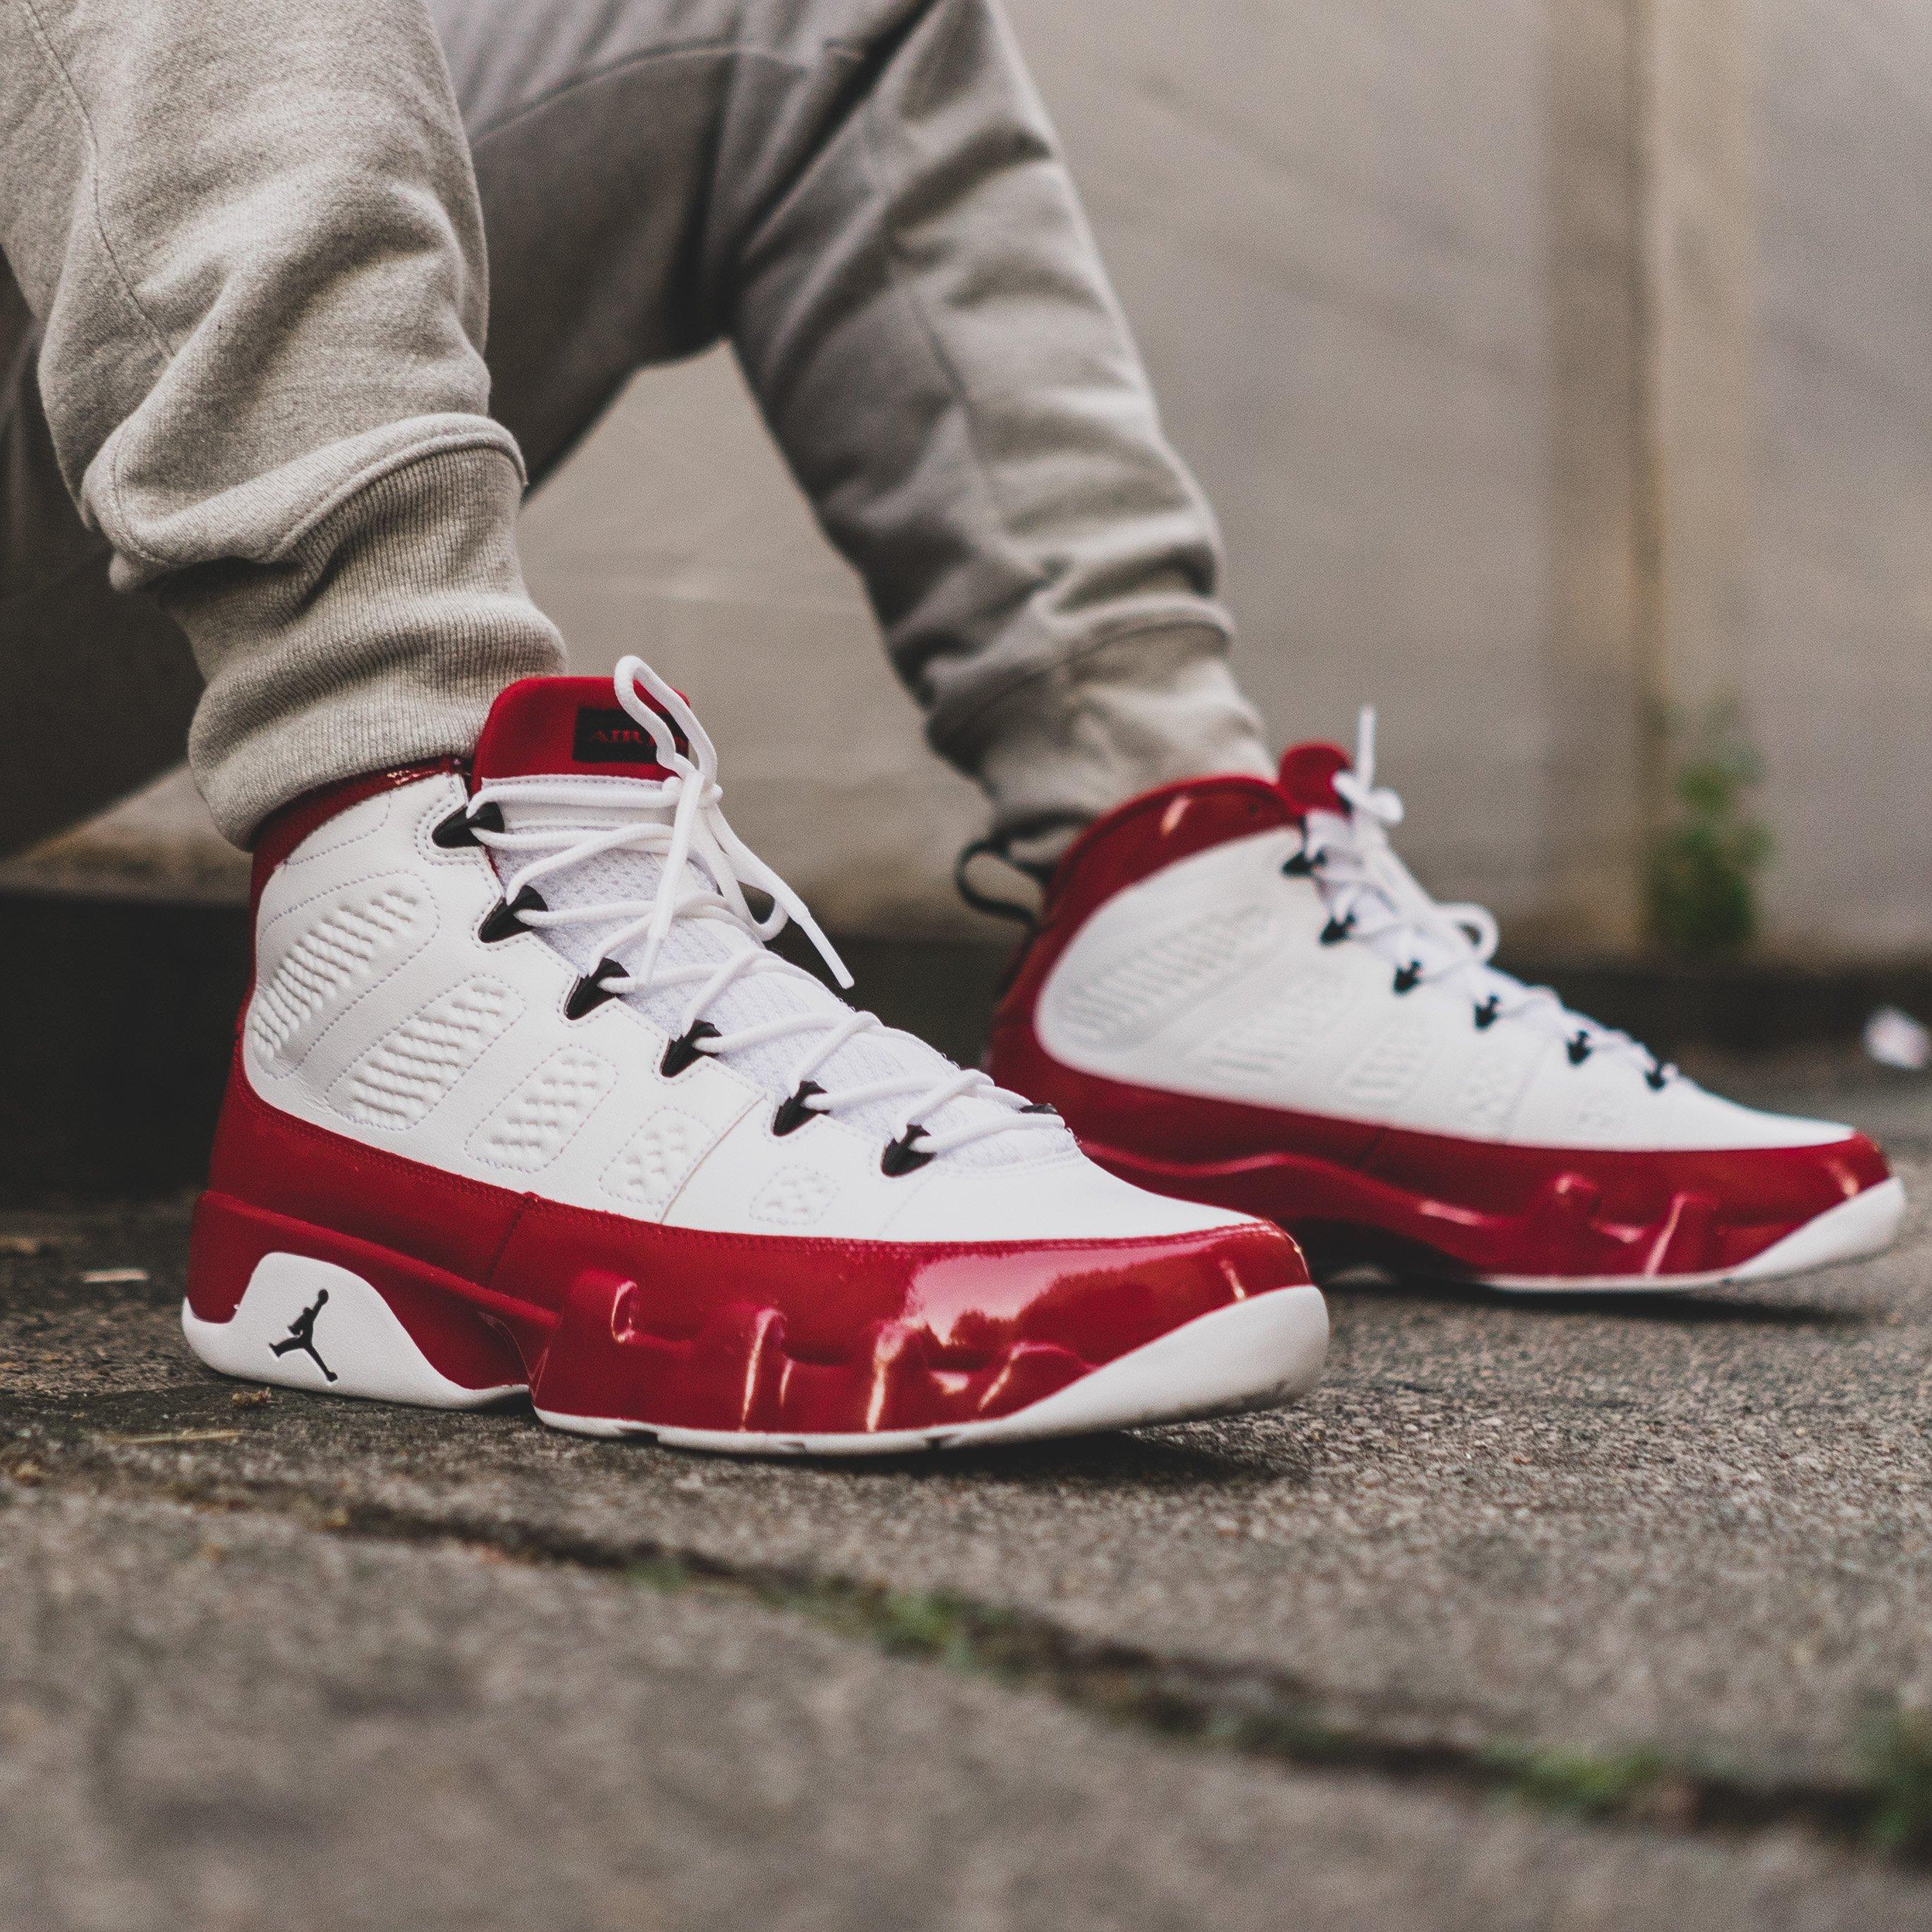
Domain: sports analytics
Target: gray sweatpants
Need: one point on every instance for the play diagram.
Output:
(251, 237)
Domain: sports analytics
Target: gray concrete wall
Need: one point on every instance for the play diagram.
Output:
(1329, 226)
(1838, 666)
(1545, 359)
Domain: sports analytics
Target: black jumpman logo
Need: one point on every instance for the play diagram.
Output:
(302, 1335)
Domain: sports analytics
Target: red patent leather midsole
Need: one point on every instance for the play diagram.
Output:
(1486, 1207)
(691, 1328)
(1539, 1217)
(600, 1357)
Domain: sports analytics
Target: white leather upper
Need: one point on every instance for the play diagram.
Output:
(1208, 978)
(379, 1014)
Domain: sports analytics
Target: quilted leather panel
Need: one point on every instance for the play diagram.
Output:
(401, 1079)
(542, 1117)
(657, 1159)
(338, 954)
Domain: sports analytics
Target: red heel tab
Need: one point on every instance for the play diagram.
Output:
(1155, 830)
(283, 831)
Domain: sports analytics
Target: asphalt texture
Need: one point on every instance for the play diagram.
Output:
(1579, 1613)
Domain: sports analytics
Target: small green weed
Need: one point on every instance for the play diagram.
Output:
(1701, 879)
(1897, 1755)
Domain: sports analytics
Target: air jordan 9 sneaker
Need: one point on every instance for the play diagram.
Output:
(1238, 994)
(522, 1101)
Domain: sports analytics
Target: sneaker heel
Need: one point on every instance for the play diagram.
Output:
(274, 1300)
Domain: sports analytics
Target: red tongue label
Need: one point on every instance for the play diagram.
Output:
(1308, 774)
(609, 735)
(558, 725)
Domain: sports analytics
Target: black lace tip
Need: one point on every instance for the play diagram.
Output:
(1015, 909)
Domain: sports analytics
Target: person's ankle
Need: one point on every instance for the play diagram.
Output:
(1063, 750)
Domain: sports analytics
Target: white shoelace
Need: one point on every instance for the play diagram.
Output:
(704, 871)
(1372, 897)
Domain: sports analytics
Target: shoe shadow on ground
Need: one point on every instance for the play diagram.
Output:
(1179, 1457)
(1091, 1465)
(1682, 1307)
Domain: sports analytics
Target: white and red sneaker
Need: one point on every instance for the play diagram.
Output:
(521, 1101)
(1238, 994)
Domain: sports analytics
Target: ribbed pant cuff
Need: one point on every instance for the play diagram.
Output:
(1069, 745)
(380, 640)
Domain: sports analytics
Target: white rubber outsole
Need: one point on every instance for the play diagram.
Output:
(1854, 1231)
(305, 1324)
(1254, 1354)
(356, 1346)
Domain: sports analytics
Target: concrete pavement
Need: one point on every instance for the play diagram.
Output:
(1666, 1560)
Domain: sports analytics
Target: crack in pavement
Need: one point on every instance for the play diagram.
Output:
(1263, 1714)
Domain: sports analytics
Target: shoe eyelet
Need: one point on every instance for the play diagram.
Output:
(686, 1048)
(1579, 1048)
(1337, 930)
(1301, 864)
(792, 1112)
(1658, 1078)
(590, 992)
(901, 1157)
(1041, 1107)
(461, 828)
(505, 921)
(1407, 978)
(1488, 1013)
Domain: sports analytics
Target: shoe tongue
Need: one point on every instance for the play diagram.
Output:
(557, 727)
(1308, 774)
